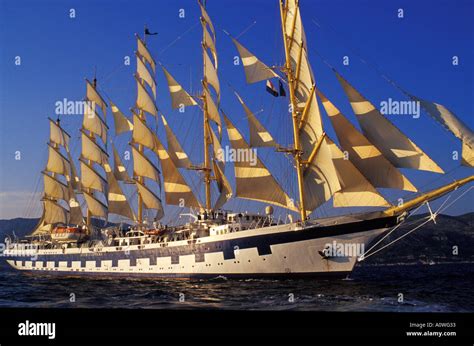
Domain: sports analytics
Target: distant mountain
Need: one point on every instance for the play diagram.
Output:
(432, 242)
(20, 226)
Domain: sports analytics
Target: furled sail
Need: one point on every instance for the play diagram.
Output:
(391, 142)
(255, 70)
(117, 201)
(223, 185)
(57, 135)
(363, 154)
(122, 124)
(143, 167)
(253, 180)
(144, 101)
(179, 96)
(356, 190)
(95, 207)
(177, 191)
(120, 172)
(94, 96)
(175, 150)
(457, 127)
(143, 51)
(93, 122)
(259, 136)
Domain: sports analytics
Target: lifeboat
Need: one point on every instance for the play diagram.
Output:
(153, 232)
(68, 234)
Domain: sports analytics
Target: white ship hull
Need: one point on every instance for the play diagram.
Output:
(283, 250)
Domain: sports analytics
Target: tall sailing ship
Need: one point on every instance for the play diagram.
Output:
(347, 171)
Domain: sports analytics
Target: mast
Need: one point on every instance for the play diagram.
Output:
(206, 167)
(297, 152)
(140, 179)
(428, 196)
(93, 154)
(145, 103)
(209, 78)
(91, 136)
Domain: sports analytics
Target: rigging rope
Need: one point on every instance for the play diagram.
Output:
(364, 257)
(172, 43)
(377, 70)
(429, 218)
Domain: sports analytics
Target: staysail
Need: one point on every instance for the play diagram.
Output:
(255, 70)
(356, 190)
(122, 124)
(392, 143)
(179, 96)
(175, 150)
(177, 191)
(363, 154)
(117, 201)
(223, 186)
(120, 172)
(253, 180)
(455, 125)
(259, 136)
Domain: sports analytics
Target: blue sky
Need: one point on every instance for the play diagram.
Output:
(58, 52)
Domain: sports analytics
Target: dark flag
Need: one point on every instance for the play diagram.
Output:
(282, 90)
(271, 89)
(147, 32)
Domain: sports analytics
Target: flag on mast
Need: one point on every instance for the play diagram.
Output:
(147, 32)
(271, 88)
(282, 90)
